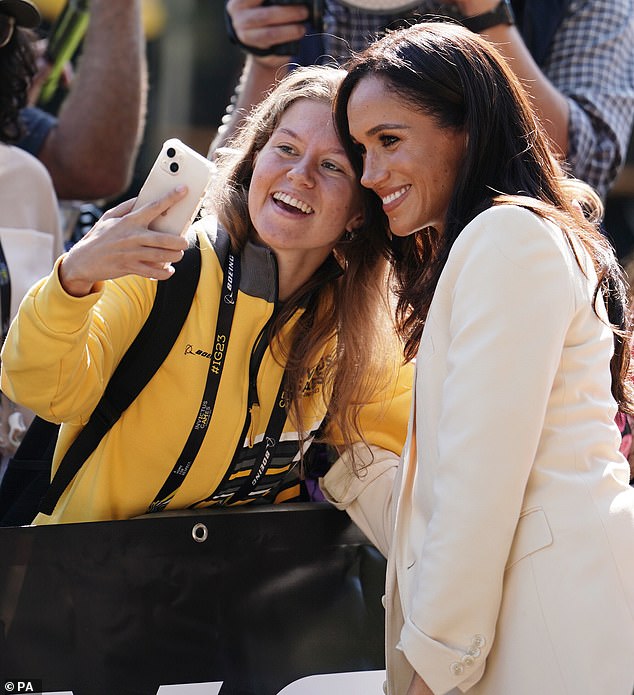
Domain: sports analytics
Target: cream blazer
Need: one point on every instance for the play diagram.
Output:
(509, 522)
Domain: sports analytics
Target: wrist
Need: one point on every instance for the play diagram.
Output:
(268, 65)
(500, 14)
(71, 284)
(284, 49)
(470, 8)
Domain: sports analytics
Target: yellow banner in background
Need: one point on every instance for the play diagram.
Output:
(153, 11)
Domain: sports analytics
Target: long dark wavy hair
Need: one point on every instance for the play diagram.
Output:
(17, 67)
(351, 307)
(463, 83)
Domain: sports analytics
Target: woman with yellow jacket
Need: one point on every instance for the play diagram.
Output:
(292, 250)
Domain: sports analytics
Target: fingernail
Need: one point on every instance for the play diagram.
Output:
(180, 188)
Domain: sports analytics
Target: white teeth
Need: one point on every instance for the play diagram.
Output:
(395, 195)
(293, 202)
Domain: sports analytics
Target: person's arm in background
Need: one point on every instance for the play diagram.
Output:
(90, 152)
(550, 103)
(584, 95)
(260, 27)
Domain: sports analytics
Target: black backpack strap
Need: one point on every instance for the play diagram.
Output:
(28, 474)
(141, 361)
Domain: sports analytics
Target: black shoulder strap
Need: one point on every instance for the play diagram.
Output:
(142, 359)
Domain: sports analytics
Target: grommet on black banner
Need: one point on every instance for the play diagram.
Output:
(200, 533)
(176, 600)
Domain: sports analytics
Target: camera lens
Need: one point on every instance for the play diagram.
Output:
(173, 167)
(171, 152)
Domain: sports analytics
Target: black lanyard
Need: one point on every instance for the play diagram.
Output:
(226, 310)
(271, 438)
(263, 459)
(5, 291)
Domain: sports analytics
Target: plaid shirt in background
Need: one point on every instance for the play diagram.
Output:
(591, 62)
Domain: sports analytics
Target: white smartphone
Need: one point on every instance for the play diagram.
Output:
(176, 164)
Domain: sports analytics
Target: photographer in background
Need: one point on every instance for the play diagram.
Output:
(575, 59)
(90, 148)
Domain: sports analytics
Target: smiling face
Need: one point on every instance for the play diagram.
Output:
(304, 194)
(408, 160)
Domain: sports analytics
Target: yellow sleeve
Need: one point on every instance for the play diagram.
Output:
(61, 350)
(384, 420)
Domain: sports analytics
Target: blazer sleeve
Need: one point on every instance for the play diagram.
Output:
(508, 293)
(365, 495)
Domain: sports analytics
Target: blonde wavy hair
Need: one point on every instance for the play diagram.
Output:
(350, 309)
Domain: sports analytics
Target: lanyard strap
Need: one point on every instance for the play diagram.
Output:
(5, 292)
(265, 448)
(271, 438)
(226, 310)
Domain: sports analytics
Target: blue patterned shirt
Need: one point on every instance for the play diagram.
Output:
(590, 61)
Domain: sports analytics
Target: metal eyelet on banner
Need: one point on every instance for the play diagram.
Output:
(200, 533)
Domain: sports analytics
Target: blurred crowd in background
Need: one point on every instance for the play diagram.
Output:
(192, 70)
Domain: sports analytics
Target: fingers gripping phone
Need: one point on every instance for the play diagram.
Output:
(177, 164)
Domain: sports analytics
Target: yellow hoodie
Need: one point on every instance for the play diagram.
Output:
(61, 351)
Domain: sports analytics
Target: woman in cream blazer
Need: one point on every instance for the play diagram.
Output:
(509, 522)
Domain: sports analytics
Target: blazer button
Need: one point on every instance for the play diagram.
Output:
(478, 642)
(383, 600)
(385, 687)
(457, 668)
(468, 660)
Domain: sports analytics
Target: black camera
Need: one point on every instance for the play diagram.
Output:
(315, 7)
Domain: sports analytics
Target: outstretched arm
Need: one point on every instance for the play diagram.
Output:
(121, 243)
(260, 27)
(91, 151)
(551, 105)
(582, 93)
(72, 327)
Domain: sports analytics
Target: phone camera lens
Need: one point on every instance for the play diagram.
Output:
(171, 152)
(173, 167)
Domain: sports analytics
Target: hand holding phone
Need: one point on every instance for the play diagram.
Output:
(177, 164)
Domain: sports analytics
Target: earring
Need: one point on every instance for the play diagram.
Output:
(349, 235)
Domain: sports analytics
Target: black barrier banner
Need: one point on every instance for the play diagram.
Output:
(275, 600)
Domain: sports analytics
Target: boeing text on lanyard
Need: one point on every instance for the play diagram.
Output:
(226, 310)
